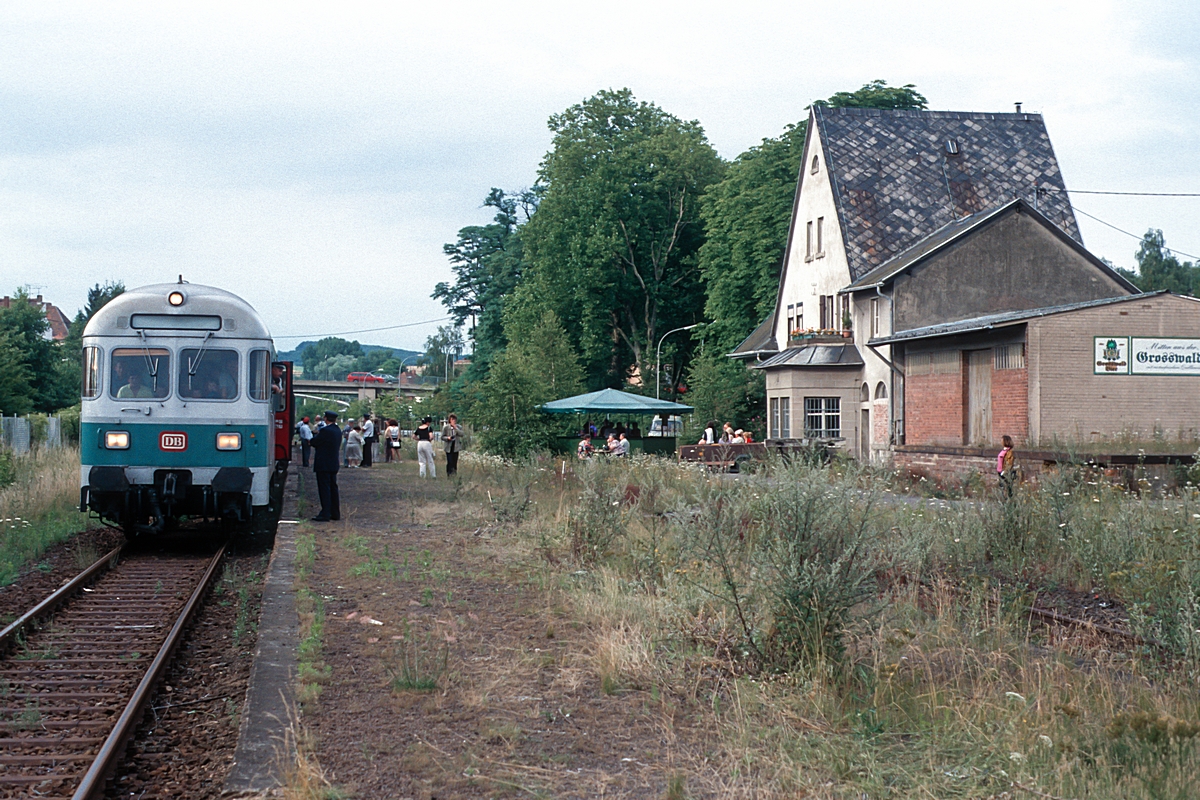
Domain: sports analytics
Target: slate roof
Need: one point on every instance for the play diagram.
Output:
(894, 183)
(815, 355)
(760, 342)
(1002, 320)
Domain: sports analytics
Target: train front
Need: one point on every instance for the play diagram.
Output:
(178, 417)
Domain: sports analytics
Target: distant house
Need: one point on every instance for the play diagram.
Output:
(60, 326)
(929, 258)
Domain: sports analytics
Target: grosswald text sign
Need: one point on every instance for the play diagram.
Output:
(1143, 355)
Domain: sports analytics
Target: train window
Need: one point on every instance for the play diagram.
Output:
(91, 373)
(260, 365)
(140, 372)
(208, 374)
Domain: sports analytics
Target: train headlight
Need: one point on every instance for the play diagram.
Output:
(116, 440)
(229, 441)
(175, 298)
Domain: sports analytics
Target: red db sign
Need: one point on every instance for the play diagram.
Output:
(172, 441)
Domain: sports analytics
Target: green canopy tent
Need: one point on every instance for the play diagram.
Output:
(622, 405)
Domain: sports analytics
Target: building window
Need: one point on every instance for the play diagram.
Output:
(874, 317)
(816, 165)
(791, 318)
(880, 391)
(800, 316)
(865, 393)
(826, 311)
(823, 417)
(820, 237)
(1009, 356)
(844, 318)
(781, 417)
(808, 242)
(938, 362)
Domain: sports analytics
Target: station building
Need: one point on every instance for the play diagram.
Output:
(936, 295)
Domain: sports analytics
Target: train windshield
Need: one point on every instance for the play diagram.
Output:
(140, 372)
(208, 374)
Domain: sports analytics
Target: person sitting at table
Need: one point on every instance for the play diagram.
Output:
(606, 428)
(737, 437)
(622, 445)
(585, 448)
(634, 431)
(610, 445)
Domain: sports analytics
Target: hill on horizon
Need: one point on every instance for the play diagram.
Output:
(294, 353)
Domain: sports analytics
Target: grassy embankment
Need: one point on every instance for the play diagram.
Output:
(39, 508)
(809, 613)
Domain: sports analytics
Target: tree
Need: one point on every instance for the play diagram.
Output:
(334, 368)
(25, 327)
(539, 365)
(724, 390)
(612, 247)
(16, 392)
(746, 217)
(877, 94)
(447, 341)
(1158, 268)
(326, 348)
(487, 261)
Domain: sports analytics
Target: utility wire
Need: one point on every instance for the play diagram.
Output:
(1136, 194)
(1127, 233)
(364, 330)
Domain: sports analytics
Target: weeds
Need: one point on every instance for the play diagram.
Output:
(415, 669)
(38, 508)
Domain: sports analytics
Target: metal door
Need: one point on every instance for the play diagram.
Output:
(864, 436)
(979, 397)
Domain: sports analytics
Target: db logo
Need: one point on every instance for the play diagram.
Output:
(172, 440)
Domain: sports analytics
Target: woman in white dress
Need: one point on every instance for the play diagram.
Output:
(354, 446)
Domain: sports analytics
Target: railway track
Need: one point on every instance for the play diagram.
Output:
(73, 690)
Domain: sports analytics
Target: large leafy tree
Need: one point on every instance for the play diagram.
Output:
(97, 297)
(612, 249)
(447, 342)
(1158, 268)
(23, 326)
(487, 261)
(327, 348)
(539, 365)
(746, 218)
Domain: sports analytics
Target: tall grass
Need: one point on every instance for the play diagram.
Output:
(39, 508)
(795, 607)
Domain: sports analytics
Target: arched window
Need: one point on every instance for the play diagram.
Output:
(816, 164)
(880, 391)
(866, 393)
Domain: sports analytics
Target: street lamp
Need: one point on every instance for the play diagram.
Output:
(658, 358)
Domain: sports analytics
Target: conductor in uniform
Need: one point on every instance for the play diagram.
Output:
(327, 444)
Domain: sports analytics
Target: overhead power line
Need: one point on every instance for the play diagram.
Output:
(1127, 233)
(364, 330)
(1136, 194)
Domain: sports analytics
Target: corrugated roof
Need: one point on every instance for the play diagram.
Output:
(1002, 320)
(815, 355)
(894, 183)
(760, 342)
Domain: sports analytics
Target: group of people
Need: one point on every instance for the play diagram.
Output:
(352, 445)
(727, 435)
(616, 444)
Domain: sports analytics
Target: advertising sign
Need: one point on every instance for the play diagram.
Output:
(1112, 355)
(1145, 355)
(1164, 356)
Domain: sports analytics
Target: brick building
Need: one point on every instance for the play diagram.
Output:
(936, 294)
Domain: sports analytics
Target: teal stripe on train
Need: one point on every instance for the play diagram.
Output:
(144, 451)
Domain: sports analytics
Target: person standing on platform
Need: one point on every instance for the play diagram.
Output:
(306, 436)
(328, 445)
(452, 439)
(424, 436)
(368, 436)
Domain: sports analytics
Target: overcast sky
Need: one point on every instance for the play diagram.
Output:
(314, 158)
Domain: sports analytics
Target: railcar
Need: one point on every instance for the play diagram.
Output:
(185, 412)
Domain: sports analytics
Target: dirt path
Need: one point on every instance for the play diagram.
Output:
(477, 682)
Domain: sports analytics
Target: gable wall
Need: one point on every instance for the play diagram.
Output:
(1014, 263)
(804, 282)
(1070, 402)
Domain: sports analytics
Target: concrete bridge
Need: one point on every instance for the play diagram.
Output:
(346, 391)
